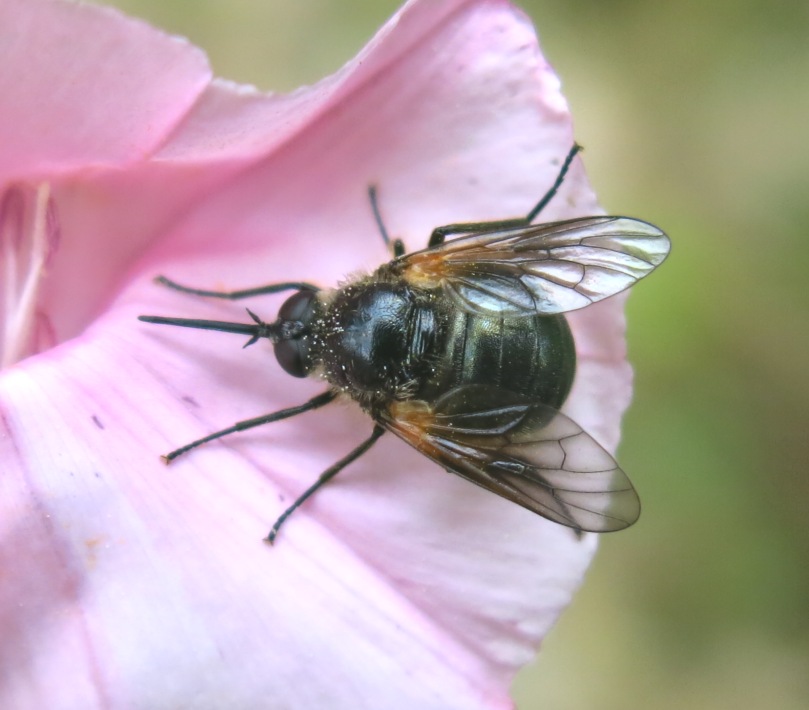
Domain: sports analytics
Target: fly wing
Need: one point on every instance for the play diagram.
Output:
(543, 268)
(524, 451)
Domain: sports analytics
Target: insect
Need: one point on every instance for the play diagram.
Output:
(463, 351)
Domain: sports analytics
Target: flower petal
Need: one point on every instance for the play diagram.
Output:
(48, 87)
(398, 585)
(121, 564)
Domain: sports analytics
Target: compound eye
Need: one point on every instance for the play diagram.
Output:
(293, 356)
(294, 316)
(298, 307)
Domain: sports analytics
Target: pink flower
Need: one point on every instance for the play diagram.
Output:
(127, 584)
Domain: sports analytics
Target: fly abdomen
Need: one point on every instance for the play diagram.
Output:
(532, 355)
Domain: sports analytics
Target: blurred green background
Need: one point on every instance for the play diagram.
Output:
(695, 117)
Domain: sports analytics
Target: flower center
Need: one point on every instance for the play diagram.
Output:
(28, 238)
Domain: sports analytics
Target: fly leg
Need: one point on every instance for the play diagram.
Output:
(314, 403)
(324, 478)
(440, 233)
(236, 295)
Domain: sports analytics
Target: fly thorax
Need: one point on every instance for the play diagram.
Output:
(378, 339)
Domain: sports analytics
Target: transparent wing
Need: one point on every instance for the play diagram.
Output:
(543, 268)
(523, 451)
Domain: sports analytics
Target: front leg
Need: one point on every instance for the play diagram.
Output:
(236, 295)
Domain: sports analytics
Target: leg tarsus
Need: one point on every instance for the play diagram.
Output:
(324, 478)
(560, 178)
(243, 293)
(314, 403)
(395, 245)
(439, 234)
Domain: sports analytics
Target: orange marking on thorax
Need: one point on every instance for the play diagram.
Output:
(425, 270)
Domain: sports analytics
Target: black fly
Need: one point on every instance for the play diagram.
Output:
(462, 350)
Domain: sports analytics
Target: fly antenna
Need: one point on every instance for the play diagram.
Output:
(256, 330)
